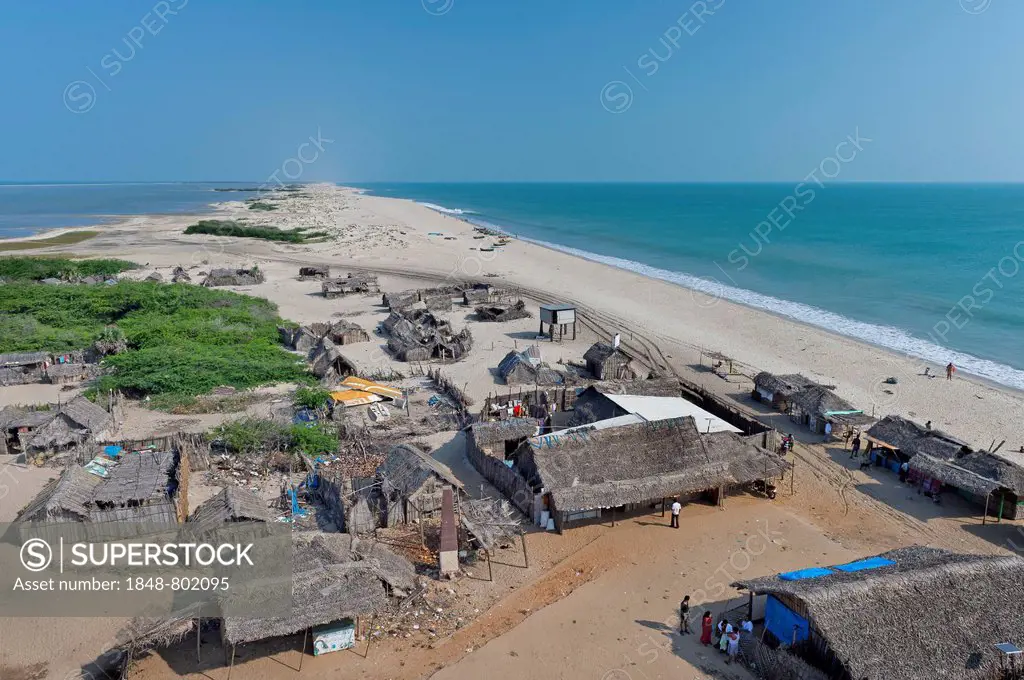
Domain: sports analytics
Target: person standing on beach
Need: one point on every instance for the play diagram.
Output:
(950, 370)
(684, 616)
(828, 430)
(706, 626)
(856, 446)
(676, 508)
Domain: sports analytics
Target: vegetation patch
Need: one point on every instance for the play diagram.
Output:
(182, 341)
(24, 268)
(311, 397)
(67, 238)
(255, 436)
(260, 205)
(241, 230)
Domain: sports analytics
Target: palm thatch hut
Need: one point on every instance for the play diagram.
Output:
(418, 335)
(399, 301)
(817, 405)
(346, 333)
(315, 272)
(155, 277)
(984, 479)
(584, 473)
(22, 368)
(148, 486)
(67, 374)
(179, 275)
(930, 614)
(232, 504)
(500, 438)
(896, 440)
(437, 302)
(75, 423)
(65, 499)
(526, 368)
(778, 390)
(501, 312)
(334, 577)
(607, 362)
(18, 425)
(412, 483)
(353, 283)
(329, 364)
(306, 338)
(234, 277)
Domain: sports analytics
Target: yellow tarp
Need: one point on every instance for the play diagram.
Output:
(371, 387)
(354, 397)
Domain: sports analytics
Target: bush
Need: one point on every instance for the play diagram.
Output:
(252, 436)
(260, 205)
(39, 268)
(182, 340)
(240, 230)
(311, 397)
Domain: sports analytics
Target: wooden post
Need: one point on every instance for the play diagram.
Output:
(1002, 499)
(613, 515)
(232, 666)
(199, 630)
(490, 567)
(750, 607)
(302, 652)
(526, 556)
(662, 507)
(984, 517)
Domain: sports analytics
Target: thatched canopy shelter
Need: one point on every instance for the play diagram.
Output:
(418, 335)
(526, 368)
(335, 576)
(65, 499)
(606, 362)
(306, 338)
(587, 468)
(353, 283)
(987, 479)
(909, 439)
(503, 311)
(655, 387)
(476, 296)
(232, 504)
(402, 300)
(345, 332)
(234, 277)
(493, 523)
(909, 613)
(818, 405)
(17, 359)
(63, 374)
(951, 474)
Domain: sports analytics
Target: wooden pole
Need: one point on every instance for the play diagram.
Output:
(1002, 499)
(984, 517)
(199, 630)
(232, 666)
(526, 556)
(302, 652)
(663, 507)
(490, 567)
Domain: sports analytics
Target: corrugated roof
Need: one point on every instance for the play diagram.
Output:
(653, 409)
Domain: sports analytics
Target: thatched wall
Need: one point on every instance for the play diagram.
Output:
(505, 479)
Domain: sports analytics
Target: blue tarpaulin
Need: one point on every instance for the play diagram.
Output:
(112, 451)
(813, 572)
(861, 565)
(781, 620)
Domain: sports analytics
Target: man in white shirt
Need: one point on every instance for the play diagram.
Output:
(676, 508)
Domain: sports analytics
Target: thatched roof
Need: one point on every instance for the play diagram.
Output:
(138, 477)
(658, 387)
(86, 414)
(69, 371)
(600, 352)
(232, 504)
(494, 523)
(820, 401)
(953, 475)
(782, 385)
(1009, 474)
(328, 363)
(933, 614)
(503, 311)
(598, 468)
(12, 417)
(69, 494)
(406, 468)
(419, 335)
(910, 438)
(23, 359)
(335, 576)
(500, 431)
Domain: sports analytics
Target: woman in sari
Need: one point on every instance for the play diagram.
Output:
(706, 626)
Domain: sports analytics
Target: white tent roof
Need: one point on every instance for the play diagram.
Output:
(653, 409)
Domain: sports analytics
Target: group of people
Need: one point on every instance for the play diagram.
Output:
(724, 635)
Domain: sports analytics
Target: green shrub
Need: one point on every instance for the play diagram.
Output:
(311, 397)
(39, 268)
(250, 436)
(260, 205)
(240, 230)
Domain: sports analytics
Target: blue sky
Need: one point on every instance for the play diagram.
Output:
(481, 90)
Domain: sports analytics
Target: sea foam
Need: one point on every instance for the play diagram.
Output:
(446, 211)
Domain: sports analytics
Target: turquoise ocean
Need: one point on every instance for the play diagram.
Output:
(931, 271)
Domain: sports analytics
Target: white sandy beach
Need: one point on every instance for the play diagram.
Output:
(391, 236)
